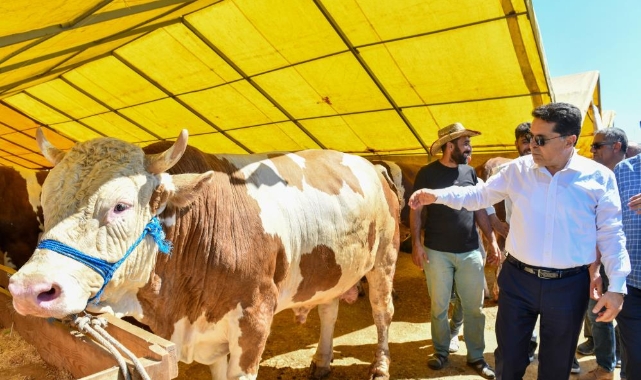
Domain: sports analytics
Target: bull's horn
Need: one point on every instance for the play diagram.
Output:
(161, 162)
(51, 153)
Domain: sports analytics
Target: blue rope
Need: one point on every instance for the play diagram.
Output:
(105, 268)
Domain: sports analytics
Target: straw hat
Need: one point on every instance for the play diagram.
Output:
(449, 133)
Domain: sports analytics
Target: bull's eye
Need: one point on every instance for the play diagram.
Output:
(120, 207)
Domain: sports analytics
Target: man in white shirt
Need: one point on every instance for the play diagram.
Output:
(565, 206)
(522, 137)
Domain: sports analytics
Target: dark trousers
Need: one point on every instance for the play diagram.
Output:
(629, 323)
(561, 304)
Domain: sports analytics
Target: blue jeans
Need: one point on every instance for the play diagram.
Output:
(604, 341)
(603, 334)
(629, 323)
(467, 270)
(457, 314)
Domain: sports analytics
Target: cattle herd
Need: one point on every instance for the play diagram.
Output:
(250, 235)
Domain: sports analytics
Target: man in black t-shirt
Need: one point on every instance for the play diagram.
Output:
(451, 250)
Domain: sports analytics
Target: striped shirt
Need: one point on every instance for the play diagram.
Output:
(628, 175)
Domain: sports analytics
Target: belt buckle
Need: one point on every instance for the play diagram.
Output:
(546, 274)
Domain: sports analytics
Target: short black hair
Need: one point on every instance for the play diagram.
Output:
(613, 135)
(521, 130)
(566, 118)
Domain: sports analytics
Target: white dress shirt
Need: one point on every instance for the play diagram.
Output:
(507, 202)
(557, 221)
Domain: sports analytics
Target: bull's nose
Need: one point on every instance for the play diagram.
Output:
(49, 295)
(35, 294)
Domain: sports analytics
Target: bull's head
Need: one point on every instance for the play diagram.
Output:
(98, 202)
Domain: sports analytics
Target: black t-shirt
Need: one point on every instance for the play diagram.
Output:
(446, 229)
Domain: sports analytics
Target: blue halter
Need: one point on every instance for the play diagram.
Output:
(104, 268)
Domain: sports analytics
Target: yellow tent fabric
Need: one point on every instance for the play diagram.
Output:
(370, 77)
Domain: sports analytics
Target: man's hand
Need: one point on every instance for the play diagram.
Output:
(494, 254)
(500, 227)
(419, 256)
(635, 203)
(612, 302)
(422, 197)
(596, 282)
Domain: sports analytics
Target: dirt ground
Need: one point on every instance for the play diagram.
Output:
(291, 346)
(20, 361)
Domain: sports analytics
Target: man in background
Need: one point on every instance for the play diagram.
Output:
(633, 149)
(628, 176)
(608, 147)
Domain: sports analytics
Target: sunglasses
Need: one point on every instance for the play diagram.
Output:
(597, 146)
(540, 140)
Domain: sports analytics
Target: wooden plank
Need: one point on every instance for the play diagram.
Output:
(112, 373)
(56, 344)
(4, 276)
(85, 358)
(151, 367)
(144, 344)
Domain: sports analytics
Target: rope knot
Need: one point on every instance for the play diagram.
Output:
(154, 228)
(82, 323)
(99, 322)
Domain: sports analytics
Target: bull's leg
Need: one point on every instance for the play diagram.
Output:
(325, 351)
(219, 368)
(380, 297)
(247, 339)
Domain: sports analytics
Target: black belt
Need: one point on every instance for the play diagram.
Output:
(545, 273)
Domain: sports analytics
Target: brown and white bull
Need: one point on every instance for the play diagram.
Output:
(254, 235)
(402, 175)
(21, 220)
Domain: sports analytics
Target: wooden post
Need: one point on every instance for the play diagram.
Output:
(84, 358)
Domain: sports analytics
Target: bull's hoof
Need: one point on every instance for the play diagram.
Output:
(378, 373)
(318, 373)
(379, 370)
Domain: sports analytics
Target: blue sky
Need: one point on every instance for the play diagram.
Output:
(597, 35)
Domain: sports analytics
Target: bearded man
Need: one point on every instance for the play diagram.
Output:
(451, 251)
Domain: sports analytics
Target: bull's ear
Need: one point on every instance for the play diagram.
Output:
(51, 153)
(161, 162)
(187, 187)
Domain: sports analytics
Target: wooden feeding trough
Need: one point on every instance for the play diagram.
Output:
(63, 347)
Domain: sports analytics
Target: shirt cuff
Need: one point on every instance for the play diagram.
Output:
(617, 285)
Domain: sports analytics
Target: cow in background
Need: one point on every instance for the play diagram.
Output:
(484, 171)
(252, 236)
(21, 221)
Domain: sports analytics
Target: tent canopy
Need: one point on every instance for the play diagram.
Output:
(583, 90)
(248, 76)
